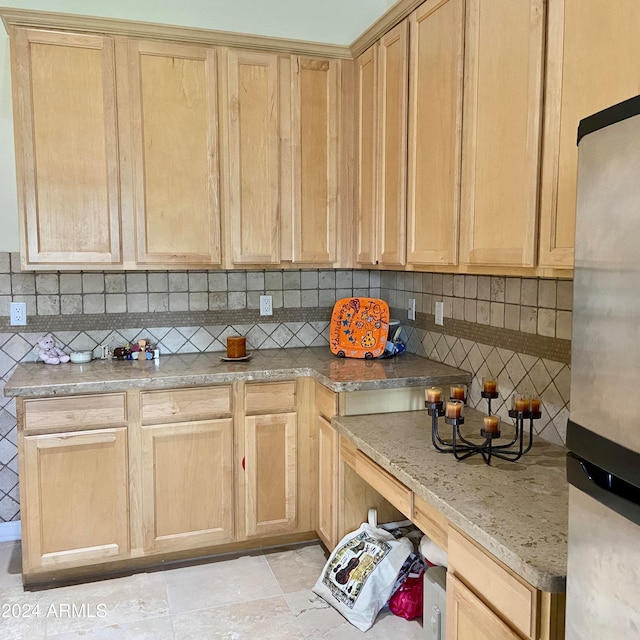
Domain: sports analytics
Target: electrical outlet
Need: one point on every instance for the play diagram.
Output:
(266, 305)
(440, 313)
(18, 313)
(411, 310)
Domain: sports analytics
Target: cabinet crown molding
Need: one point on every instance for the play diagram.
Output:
(149, 30)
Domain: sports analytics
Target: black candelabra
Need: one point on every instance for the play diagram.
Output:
(523, 409)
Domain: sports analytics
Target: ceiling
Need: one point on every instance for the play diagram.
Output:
(332, 21)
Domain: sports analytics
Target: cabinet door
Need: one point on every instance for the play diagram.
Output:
(253, 162)
(187, 484)
(468, 618)
(367, 152)
(327, 483)
(270, 474)
(66, 148)
(435, 120)
(315, 159)
(593, 62)
(392, 146)
(74, 490)
(502, 115)
(173, 96)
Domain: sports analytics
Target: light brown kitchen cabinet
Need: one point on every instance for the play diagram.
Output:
(593, 62)
(501, 132)
(327, 483)
(435, 122)
(382, 148)
(174, 136)
(485, 599)
(268, 447)
(251, 124)
(187, 470)
(314, 129)
(468, 618)
(270, 474)
(393, 78)
(74, 498)
(67, 162)
(367, 74)
(326, 403)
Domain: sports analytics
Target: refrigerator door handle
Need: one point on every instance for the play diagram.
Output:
(609, 490)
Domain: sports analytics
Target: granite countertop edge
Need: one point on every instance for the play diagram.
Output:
(339, 375)
(546, 578)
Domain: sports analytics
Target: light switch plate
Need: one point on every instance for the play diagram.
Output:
(440, 313)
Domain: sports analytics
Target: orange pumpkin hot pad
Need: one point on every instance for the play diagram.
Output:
(359, 327)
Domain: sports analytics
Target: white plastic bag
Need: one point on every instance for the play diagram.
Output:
(361, 572)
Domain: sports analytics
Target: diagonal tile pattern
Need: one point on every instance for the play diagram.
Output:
(515, 373)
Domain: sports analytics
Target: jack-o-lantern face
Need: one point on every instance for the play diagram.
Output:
(368, 340)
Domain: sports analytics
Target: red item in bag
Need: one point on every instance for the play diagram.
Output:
(407, 601)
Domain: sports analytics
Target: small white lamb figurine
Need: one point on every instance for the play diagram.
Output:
(49, 353)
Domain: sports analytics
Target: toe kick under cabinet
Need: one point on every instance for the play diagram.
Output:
(115, 481)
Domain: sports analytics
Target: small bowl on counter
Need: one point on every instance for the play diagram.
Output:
(80, 357)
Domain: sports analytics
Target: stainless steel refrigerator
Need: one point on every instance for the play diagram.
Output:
(603, 434)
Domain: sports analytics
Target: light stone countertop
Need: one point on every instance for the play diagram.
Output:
(516, 510)
(338, 374)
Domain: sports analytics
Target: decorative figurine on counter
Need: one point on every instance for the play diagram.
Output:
(49, 353)
(140, 350)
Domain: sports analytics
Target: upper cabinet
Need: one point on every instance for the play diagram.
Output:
(67, 162)
(174, 132)
(136, 154)
(315, 114)
(367, 109)
(593, 62)
(435, 122)
(501, 132)
(393, 73)
(382, 150)
(251, 120)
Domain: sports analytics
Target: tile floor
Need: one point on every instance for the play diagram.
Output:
(259, 596)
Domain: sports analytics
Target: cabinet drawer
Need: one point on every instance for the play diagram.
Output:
(384, 483)
(430, 521)
(185, 405)
(270, 397)
(507, 594)
(326, 402)
(75, 412)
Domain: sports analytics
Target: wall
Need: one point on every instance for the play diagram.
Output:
(512, 328)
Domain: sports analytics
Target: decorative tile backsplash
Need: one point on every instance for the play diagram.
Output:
(192, 311)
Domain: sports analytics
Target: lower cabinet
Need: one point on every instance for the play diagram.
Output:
(187, 484)
(74, 494)
(468, 618)
(267, 441)
(327, 483)
(109, 480)
(486, 599)
(326, 406)
(270, 474)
